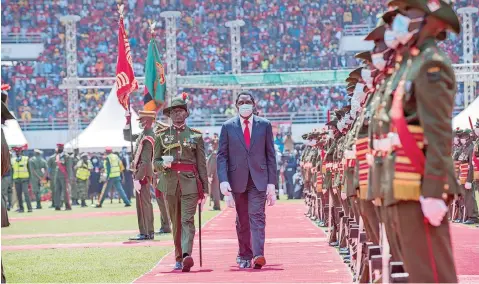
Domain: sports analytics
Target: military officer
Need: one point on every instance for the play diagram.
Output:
(38, 172)
(165, 227)
(180, 157)
(83, 170)
(52, 169)
(213, 175)
(63, 175)
(466, 177)
(424, 179)
(21, 178)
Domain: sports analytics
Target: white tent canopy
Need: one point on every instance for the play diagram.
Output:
(106, 130)
(462, 119)
(13, 134)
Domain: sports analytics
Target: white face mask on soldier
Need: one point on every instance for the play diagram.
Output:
(456, 140)
(390, 39)
(378, 61)
(463, 141)
(245, 110)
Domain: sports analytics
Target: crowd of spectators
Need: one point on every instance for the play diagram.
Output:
(279, 35)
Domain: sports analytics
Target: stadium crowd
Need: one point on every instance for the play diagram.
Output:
(306, 37)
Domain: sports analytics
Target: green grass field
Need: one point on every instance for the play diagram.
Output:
(81, 265)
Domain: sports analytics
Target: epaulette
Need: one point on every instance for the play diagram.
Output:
(161, 130)
(196, 130)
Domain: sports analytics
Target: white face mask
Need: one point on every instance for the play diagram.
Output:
(400, 26)
(463, 141)
(245, 110)
(476, 130)
(378, 60)
(456, 140)
(390, 39)
(94, 160)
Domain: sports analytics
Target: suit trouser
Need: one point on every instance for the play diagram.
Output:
(116, 181)
(182, 209)
(470, 203)
(428, 257)
(21, 187)
(144, 210)
(164, 218)
(250, 221)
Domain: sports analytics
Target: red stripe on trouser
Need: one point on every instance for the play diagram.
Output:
(430, 252)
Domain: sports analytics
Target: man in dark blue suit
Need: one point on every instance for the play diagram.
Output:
(247, 174)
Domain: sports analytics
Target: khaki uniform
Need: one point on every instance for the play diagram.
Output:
(428, 119)
(52, 169)
(73, 183)
(143, 172)
(185, 182)
(63, 175)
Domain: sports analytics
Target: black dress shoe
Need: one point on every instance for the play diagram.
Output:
(30, 210)
(245, 264)
(178, 266)
(259, 261)
(334, 244)
(96, 206)
(57, 209)
(187, 263)
(469, 222)
(127, 205)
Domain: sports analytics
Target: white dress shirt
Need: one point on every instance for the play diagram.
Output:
(250, 125)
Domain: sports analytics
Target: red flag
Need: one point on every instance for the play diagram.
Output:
(125, 78)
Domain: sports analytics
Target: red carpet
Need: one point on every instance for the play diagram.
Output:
(296, 251)
(465, 241)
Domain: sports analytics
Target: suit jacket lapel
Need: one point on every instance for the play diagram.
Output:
(239, 131)
(254, 133)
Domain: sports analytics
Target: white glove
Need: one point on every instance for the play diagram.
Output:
(468, 185)
(210, 180)
(343, 196)
(324, 191)
(230, 202)
(202, 201)
(370, 159)
(271, 199)
(270, 190)
(225, 188)
(434, 209)
(335, 190)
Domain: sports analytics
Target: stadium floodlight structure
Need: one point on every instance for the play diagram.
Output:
(468, 52)
(70, 83)
(171, 18)
(235, 35)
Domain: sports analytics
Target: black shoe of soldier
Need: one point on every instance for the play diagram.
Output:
(83, 203)
(127, 205)
(334, 244)
(58, 209)
(96, 206)
(178, 265)
(188, 263)
(140, 237)
(39, 206)
(30, 210)
(162, 232)
(469, 222)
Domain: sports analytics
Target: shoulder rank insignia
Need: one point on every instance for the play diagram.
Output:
(196, 130)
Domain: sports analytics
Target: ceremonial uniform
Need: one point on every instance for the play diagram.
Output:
(21, 179)
(185, 179)
(52, 169)
(38, 169)
(75, 158)
(424, 175)
(466, 178)
(165, 227)
(143, 172)
(62, 176)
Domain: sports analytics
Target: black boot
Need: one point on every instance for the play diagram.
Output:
(75, 202)
(83, 203)
(39, 205)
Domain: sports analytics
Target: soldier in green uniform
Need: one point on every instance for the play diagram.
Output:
(180, 157)
(62, 176)
(424, 179)
(38, 172)
(21, 179)
(75, 157)
(213, 175)
(83, 170)
(142, 168)
(466, 177)
(52, 169)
